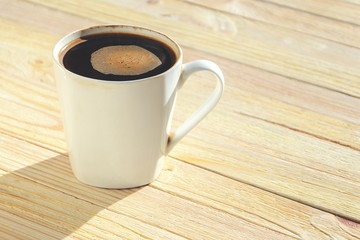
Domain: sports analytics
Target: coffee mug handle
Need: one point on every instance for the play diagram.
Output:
(196, 117)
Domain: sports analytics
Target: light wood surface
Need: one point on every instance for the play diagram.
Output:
(278, 158)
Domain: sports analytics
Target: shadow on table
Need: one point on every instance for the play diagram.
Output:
(48, 195)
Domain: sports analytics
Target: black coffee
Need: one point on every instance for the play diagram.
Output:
(117, 56)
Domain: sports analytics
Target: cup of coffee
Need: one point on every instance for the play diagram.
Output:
(117, 86)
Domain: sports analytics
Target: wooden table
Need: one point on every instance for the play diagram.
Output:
(278, 158)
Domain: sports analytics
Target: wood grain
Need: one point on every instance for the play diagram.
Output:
(339, 10)
(310, 124)
(290, 18)
(167, 215)
(276, 159)
(283, 51)
(38, 185)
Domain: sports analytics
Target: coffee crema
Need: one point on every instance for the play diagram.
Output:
(117, 56)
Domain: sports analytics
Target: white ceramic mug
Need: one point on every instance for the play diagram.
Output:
(118, 132)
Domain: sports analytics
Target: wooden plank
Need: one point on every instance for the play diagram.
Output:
(291, 18)
(66, 214)
(245, 141)
(283, 51)
(12, 226)
(322, 222)
(182, 201)
(244, 78)
(242, 81)
(249, 83)
(353, 1)
(221, 197)
(28, 119)
(248, 134)
(38, 185)
(55, 166)
(339, 10)
(275, 99)
(321, 185)
(260, 153)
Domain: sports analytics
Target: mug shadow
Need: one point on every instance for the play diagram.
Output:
(47, 195)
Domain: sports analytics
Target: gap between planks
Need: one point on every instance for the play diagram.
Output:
(300, 131)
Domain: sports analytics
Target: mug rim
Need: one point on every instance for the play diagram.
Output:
(60, 46)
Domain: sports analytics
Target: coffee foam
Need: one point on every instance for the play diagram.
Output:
(124, 60)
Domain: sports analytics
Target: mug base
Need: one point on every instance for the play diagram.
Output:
(117, 185)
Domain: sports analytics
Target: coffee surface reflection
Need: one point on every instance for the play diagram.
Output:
(117, 56)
